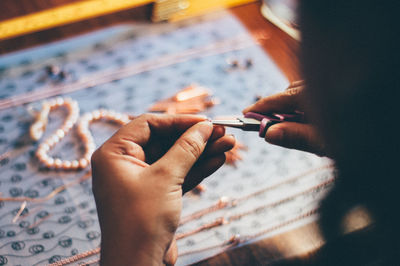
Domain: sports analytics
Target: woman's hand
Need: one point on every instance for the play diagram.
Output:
(292, 135)
(139, 176)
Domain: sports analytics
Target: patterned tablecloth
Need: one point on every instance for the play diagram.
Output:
(67, 224)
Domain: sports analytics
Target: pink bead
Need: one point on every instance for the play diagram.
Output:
(103, 112)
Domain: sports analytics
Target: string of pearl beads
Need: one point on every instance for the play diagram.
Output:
(38, 127)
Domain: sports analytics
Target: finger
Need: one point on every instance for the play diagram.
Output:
(140, 129)
(171, 255)
(218, 132)
(202, 170)
(221, 145)
(185, 152)
(296, 136)
(284, 102)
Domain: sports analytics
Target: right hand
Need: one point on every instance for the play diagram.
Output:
(139, 177)
(292, 135)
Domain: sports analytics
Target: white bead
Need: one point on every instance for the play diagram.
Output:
(74, 164)
(91, 146)
(66, 164)
(103, 112)
(55, 139)
(58, 163)
(49, 142)
(59, 101)
(40, 152)
(111, 113)
(88, 156)
(84, 132)
(88, 117)
(125, 119)
(49, 162)
(60, 133)
(117, 116)
(43, 157)
(83, 163)
(96, 114)
(68, 124)
(44, 147)
(73, 117)
(83, 124)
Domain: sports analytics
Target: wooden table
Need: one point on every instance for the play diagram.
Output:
(282, 48)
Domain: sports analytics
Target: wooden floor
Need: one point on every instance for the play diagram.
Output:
(282, 48)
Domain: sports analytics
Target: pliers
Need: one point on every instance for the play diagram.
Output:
(260, 122)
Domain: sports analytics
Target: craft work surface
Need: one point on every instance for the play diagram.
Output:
(128, 68)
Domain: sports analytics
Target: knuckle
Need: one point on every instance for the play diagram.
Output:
(96, 156)
(144, 117)
(293, 91)
(191, 147)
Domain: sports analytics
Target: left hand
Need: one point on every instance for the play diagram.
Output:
(292, 135)
(139, 177)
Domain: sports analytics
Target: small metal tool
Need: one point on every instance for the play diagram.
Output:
(258, 122)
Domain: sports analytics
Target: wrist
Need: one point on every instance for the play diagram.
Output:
(137, 251)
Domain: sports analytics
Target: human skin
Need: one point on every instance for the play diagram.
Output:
(139, 177)
(300, 136)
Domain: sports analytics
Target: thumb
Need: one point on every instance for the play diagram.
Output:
(187, 149)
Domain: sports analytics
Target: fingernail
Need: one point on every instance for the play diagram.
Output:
(205, 130)
(274, 135)
(219, 129)
(203, 117)
(246, 110)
